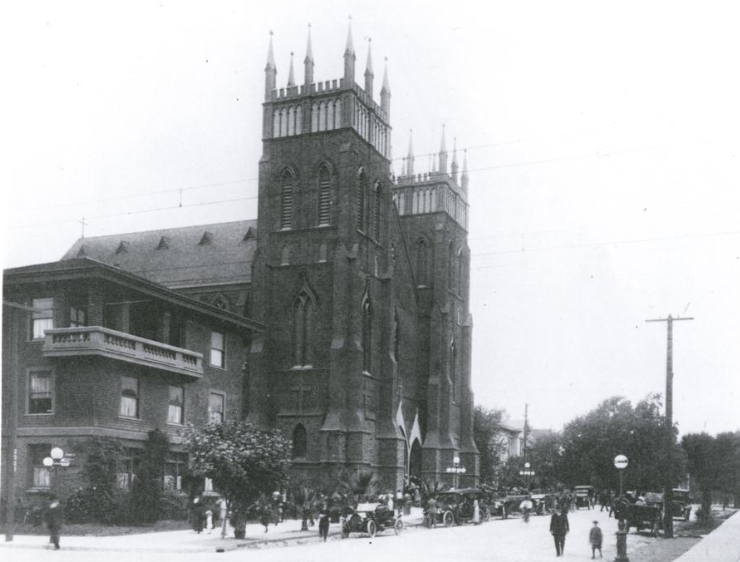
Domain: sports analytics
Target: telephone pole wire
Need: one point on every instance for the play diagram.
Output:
(668, 472)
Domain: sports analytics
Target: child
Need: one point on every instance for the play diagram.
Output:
(595, 538)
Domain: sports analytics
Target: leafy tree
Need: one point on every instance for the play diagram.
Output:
(703, 466)
(545, 458)
(490, 440)
(147, 493)
(356, 486)
(242, 461)
(591, 442)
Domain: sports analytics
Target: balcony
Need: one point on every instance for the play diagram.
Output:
(94, 340)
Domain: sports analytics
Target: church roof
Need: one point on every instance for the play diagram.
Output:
(202, 255)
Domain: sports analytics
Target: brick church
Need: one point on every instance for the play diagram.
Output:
(340, 314)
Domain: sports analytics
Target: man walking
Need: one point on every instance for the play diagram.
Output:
(559, 528)
(54, 518)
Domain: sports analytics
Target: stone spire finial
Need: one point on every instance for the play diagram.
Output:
(349, 59)
(454, 166)
(443, 154)
(410, 157)
(270, 71)
(291, 73)
(369, 74)
(385, 91)
(464, 178)
(308, 62)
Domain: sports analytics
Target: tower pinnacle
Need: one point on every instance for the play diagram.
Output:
(270, 71)
(454, 166)
(291, 73)
(443, 154)
(410, 157)
(349, 59)
(464, 178)
(308, 61)
(385, 91)
(369, 74)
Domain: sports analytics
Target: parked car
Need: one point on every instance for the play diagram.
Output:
(681, 504)
(542, 503)
(370, 519)
(646, 513)
(583, 497)
(461, 503)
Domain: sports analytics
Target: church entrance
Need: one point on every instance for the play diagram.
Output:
(415, 459)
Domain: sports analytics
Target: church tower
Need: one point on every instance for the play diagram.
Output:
(360, 351)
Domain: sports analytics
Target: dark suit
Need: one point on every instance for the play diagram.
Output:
(558, 529)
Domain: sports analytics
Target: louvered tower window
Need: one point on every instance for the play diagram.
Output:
(376, 211)
(324, 197)
(286, 203)
(361, 187)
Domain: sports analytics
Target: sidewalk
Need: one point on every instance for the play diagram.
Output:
(286, 533)
(721, 545)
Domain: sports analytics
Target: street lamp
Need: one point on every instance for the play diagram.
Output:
(620, 462)
(527, 472)
(456, 470)
(56, 460)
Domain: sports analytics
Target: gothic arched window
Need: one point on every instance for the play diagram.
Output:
(286, 200)
(300, 442)
(422, 262)
(361, 189)
(376, 210)
(324, 196)
(302, 328)
(396, 337)
(450, 268)
(453, 370)
(459, 271)
(367, 333)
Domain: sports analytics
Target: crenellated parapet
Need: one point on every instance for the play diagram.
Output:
(431, 192)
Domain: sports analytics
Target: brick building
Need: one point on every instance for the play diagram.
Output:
(348, 296)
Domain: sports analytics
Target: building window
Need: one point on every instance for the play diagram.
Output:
(218, 350)
(40, 475)
(176, 403)
(126, 473)
(77, 317)
(300, 442)
(422, 262)
(361, 188)
(42, 317)
(302, 328)
(286, 200)
(40, 392)
(129, 397)
(367, 335)
(174, 470)
(396, 337)
(324, 197)
(215, 408)
(376, 211)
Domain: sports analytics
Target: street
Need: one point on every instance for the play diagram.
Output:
(501, 540)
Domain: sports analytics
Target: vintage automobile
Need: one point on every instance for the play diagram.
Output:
(370, 519)
(681, 504)
(461, 503)
(583, 496)
(646, 513)
(542, 504)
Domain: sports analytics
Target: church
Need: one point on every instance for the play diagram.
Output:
(339, 315)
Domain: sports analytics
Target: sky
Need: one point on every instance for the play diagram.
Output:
(602, 143)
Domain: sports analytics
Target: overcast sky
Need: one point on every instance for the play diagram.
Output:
(602, 144)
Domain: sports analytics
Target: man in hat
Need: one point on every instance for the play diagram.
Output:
(559, 528)
(54, 518)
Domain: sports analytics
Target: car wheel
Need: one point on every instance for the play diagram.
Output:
(448, 519)
(398, 527)
(371, 528)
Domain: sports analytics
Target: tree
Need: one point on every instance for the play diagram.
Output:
(489, 438)
(242, 461)
(545, 458)
(591, 442)
(701, 451)
(147, 493)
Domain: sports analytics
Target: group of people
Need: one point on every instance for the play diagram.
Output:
(560, 527)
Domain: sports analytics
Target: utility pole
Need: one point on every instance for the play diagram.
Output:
(668, 495)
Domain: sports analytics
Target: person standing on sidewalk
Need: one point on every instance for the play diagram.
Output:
(324, 524)
(54, 519)
(559, 528)
(595, 537)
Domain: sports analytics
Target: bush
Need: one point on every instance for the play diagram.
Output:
(92, 505)
(174, 506)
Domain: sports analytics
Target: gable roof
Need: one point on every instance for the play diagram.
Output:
(184, 260)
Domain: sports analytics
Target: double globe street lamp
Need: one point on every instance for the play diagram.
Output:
(456, 470)
(54, 462)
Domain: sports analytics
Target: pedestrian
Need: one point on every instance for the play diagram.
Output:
(559, 528)
(323, 525)
(265, 516)
(595, 538)
(476, 512)
(54, 519)
(432, 511)
(407, 502)
(209, 520)
(197, 513)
